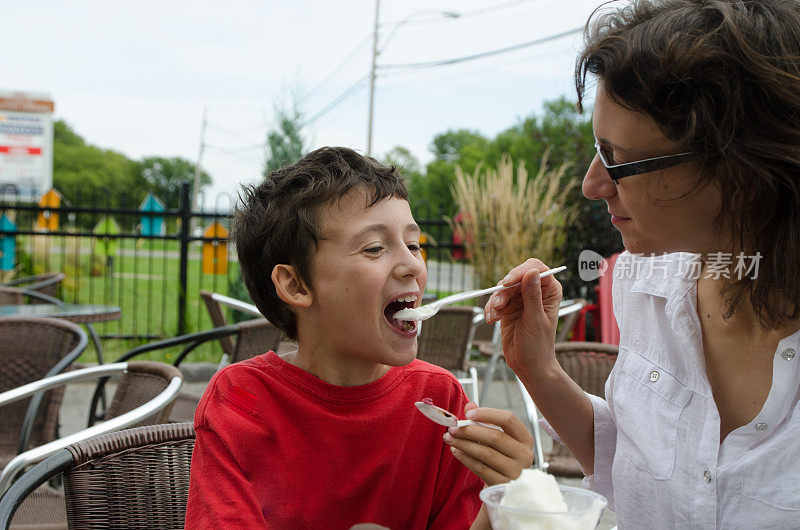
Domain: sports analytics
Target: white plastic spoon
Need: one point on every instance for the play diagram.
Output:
(428, 310)
(446, 418)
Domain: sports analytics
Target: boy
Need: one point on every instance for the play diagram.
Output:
(328, 436)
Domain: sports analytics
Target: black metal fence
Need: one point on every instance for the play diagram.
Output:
(155, 277)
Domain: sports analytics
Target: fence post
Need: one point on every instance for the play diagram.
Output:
(185, 215)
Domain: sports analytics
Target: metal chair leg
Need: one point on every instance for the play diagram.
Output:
(498, 348)
(533, 418)
(473, 373)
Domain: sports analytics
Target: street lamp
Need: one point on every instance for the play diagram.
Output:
(376, 50)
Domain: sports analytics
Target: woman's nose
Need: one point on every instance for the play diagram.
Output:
(597, 183)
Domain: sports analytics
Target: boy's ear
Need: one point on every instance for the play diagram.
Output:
(290, 287)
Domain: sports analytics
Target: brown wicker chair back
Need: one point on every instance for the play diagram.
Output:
(256, 337)
(11, 296)
(445, 338)
(136, 478)
(139, 384)
(29, 349)
(47, 283)
(588, 364)
(217, 319)
(45, 506)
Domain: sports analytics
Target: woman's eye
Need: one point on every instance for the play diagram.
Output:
(373, 250)
(609, 154)
(414, 247)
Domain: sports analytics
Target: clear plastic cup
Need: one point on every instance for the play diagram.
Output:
(584, 509)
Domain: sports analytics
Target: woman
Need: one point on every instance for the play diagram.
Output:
(701, 423)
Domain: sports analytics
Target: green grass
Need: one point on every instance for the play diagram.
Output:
(145, 286)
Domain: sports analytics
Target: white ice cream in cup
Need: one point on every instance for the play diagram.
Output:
(535, 501)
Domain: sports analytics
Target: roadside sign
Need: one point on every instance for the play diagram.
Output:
(26, 146)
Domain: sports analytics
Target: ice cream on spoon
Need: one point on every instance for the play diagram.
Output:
(427, 311)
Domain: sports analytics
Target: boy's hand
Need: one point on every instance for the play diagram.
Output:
(495, 456)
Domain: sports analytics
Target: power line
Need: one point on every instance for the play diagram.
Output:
(445, 62)
(341, 97)
(336, 70)
(238, 136)
(462, 14)
(259, 127)
(237, 149)
(400, 78)
(366, 39)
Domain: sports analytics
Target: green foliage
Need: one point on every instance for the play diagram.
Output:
(285, 143)
(163, 177)
(561, 132)
(86, 174)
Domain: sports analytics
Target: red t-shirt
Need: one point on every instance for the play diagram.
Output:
(279, 448)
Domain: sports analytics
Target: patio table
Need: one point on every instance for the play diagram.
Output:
(78, 313)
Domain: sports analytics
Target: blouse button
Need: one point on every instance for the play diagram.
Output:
(788, 354)
(707, 476)
(654, 376)
(761, 426)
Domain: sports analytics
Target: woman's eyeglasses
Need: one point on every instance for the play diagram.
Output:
(629, 169)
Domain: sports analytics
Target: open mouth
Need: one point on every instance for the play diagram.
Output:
(405, 302)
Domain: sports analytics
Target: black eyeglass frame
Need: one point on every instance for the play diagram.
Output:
(629, 169)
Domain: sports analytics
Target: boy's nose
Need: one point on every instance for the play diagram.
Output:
(597, 183)
(409, 265)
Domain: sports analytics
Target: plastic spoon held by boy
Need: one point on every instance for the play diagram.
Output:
(427, 311)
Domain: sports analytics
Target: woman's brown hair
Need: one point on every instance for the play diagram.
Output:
(722, 78)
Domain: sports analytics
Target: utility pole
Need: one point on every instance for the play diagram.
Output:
(196, 185)
(372, 76)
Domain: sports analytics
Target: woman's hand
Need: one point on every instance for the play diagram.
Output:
(528, 317)
(495, 456)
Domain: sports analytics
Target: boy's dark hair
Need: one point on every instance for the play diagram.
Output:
(721, 78)
(277, 221)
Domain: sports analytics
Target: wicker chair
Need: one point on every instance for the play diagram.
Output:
(47, 283)
(144, 396)
(258, 335)
(137, 478)
(32, 349)
(11, 295)
(186, 402)
(487, 341)
(588, 364)
(445, 340)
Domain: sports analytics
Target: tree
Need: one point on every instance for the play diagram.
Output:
(285, 143)
(453, 148)
(88, 175)
(163, 176)
(409, 167)
(561, 132)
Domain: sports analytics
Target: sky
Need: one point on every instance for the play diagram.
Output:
(137, 77)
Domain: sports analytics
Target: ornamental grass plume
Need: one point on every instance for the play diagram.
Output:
(509, 217)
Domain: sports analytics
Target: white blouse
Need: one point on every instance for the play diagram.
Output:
(658, 458)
